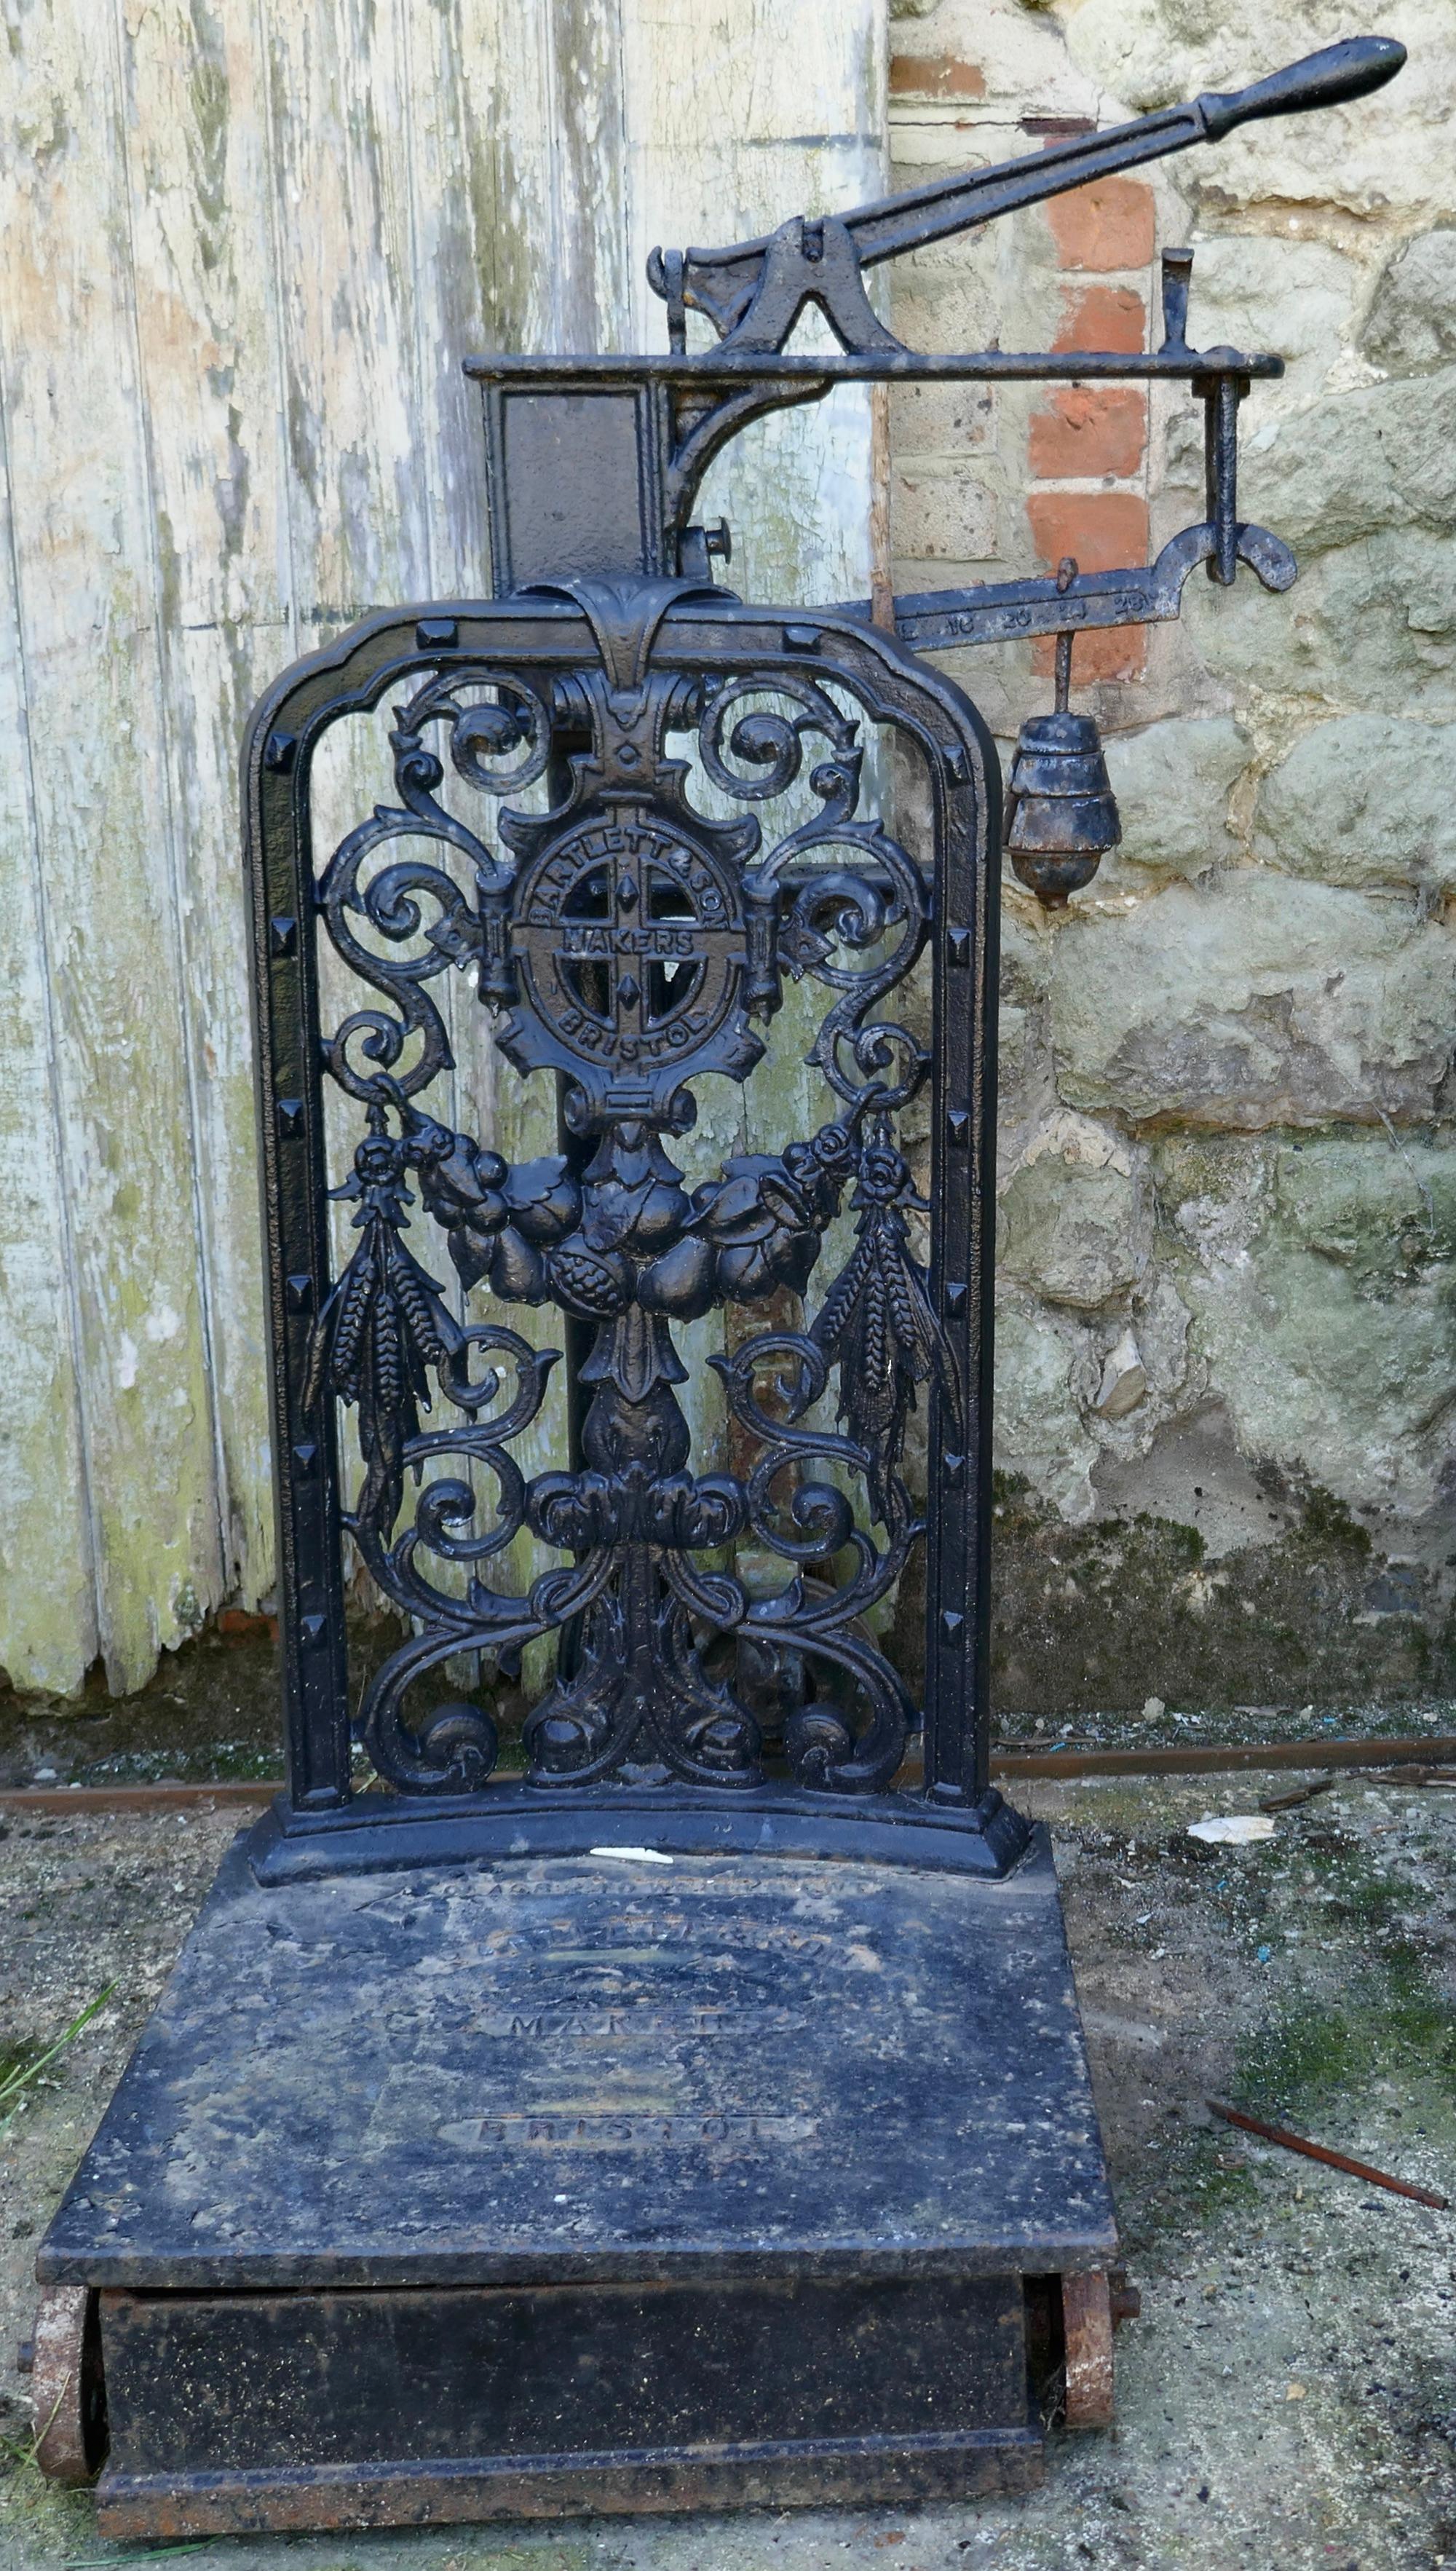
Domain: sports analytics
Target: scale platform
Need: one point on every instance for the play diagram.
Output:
(585, 2184)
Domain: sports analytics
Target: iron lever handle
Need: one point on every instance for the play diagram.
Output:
(725, 283)
(1326, 79)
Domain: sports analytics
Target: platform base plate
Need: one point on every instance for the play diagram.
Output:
(567, 2184)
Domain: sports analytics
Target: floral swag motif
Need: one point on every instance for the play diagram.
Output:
(630, 943)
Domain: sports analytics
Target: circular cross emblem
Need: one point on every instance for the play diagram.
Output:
(630, 950)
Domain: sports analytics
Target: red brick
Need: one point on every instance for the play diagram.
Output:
(1108, 652)
(1101, 530)
(1108, 223)
(1088, 429)
(939, 76)
(1103, 317)
(1112, 652)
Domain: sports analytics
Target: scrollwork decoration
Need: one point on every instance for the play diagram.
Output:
(500, 744)
(626, 940)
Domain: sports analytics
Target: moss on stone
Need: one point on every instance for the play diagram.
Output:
(1100, 1618)
(1326, 1520)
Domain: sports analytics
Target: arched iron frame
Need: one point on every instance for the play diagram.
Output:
(956, 1818)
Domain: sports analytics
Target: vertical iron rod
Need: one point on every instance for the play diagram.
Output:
(1221, 459)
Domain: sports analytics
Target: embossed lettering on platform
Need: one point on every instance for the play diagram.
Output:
(633, 2133)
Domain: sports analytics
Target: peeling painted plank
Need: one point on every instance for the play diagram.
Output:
(244, 246)
(87, 583)
(208, 395)
(47, 1591)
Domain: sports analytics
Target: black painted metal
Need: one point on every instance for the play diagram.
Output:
(407, 2167)
(630, 940)
(654, 425)
(634, 947)
(244, 2409)
(439, 2188)
(1061, 814)
(595, 2069)
(752, 292)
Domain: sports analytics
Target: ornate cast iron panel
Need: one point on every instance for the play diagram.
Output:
(637, 947)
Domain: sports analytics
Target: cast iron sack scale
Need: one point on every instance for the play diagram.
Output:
(694, 2111)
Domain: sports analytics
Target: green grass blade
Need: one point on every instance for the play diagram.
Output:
(13, 2084)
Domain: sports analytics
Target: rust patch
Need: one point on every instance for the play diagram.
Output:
(1088, 2324)
(65, 2385)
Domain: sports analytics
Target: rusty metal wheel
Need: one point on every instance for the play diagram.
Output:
(67, 2391)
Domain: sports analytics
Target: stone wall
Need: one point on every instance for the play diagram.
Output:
(1226, 1355)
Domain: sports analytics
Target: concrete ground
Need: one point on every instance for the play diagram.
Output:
(1289, 2395)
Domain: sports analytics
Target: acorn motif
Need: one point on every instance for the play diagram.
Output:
(1061, 813)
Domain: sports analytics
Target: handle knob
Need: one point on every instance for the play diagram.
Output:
(1328, 79)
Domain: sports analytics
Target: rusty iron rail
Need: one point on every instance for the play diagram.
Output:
(1208, 1759)
(1289, 2141)
(1200, 1760)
